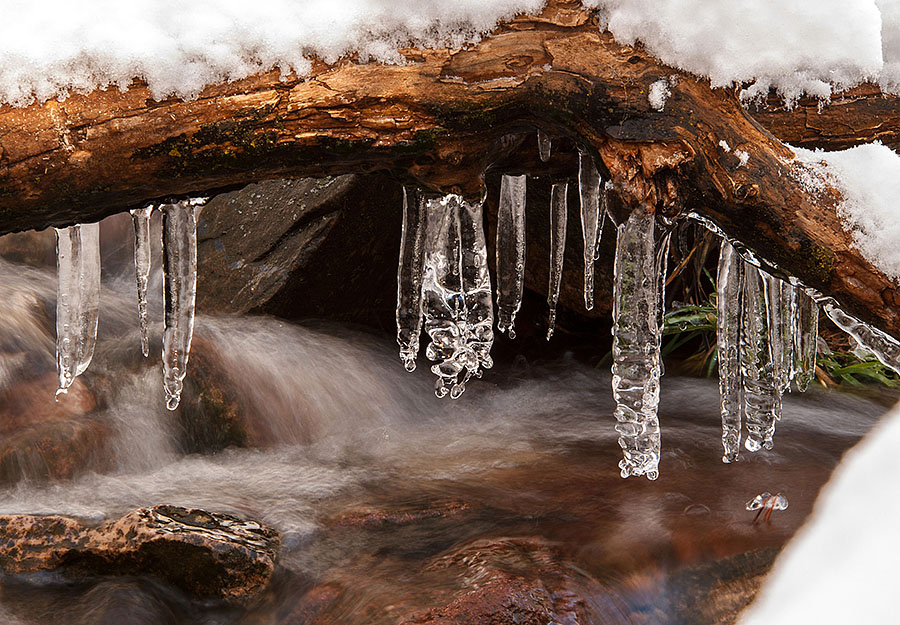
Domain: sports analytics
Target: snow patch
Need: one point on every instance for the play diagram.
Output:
(743, 157)
(52, 48)
(724, 145)
(796, 47)
(659, 93)
(868, 177)
(841, 566)
(55, 47)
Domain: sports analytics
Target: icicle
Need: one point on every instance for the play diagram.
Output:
(544, 144)
(457, 294)
(180, 270)
(780, 322)
(558, 216)
(409, 278)
(606, 189)
(729, 295)
(767, 503)
(762, 390)
(636, 340)
(510, 251)
(805, 339)
(885, 347)
(589, 194)
(141, 218)
(77, 300)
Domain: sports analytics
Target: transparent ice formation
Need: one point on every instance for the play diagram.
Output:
(637, 333)
(457, 293)
(762, 390)
(544, 145)
(141, 218)
(558, 216)
(409, 277)
(589, 194)
(884, 347)
(180, 273)
(510, 251)
(77, 300)
(729, 304)
(767, 503)
(780, 315)
(805, 339)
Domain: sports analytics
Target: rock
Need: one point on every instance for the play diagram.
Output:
(46, 439)
(371, 517)
(321, 248)
(34, 247)
(521, 581)
(211, 416)
(208, 556)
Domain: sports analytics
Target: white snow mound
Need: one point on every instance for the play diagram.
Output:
(794, 46)
(868, 177)
(842, 566)
(52, 47)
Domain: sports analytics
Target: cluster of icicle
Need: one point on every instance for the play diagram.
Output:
(443, 281)
(78, 292)
(766, 332)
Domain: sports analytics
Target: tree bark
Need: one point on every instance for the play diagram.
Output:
(449, 116)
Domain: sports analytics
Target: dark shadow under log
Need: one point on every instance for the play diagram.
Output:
(444, 119)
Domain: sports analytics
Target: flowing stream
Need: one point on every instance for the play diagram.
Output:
(392, 503)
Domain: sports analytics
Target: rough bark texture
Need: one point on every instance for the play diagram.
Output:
(445, 119)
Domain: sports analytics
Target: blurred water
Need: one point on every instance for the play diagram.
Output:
(338, 436)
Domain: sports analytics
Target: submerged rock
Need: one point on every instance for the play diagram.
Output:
(208, 556)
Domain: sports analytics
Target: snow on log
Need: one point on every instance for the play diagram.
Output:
(440, 121)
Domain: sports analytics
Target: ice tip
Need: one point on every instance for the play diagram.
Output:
(60, 391)
(172, 402)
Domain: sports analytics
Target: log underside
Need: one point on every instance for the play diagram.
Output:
(445, 119)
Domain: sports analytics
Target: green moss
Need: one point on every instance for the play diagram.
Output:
(820, 261)
(231, 144)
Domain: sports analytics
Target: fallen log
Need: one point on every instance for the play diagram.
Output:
(442, 121)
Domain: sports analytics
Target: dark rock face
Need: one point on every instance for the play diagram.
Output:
(208, 556)
(322, 248)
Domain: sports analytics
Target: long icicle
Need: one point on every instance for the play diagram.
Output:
(780, 321)
(141, 218)
(558, 216)
(729, 302)
(806, 337)
(476, 281)
(762, 390)
(77, 300)
(544, 145)
(179, 234)
(409, 277)
(510, 251)
(637, 334)
(589, 194)
(885, 347)
(458, 309)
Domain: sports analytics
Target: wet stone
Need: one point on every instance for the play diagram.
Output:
(208, 556)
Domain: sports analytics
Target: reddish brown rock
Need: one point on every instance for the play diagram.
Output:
(209, 556)
(41, 438)
(519, 581)
(374, 518)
